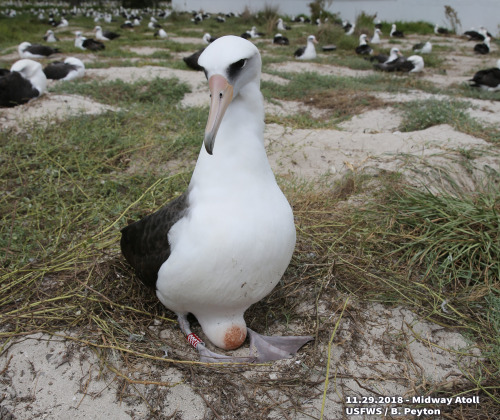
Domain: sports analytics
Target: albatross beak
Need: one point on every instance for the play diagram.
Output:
(221, 93)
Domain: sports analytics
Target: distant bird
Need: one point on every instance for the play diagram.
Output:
(441, 31)
(207, 38)
(220, 19)
(363, 48)
(63, 23)
(376, 36)
(475, 35)
(308, 52)
(127, 25)
(28, 50)
(488, 79)
(412, 64)
(72, 68)
(348, 27)
(254, 34)
(280, 25)
(423, 48)
(395, 33)
(104, 35)
(50, 37)
(153, 24)
(394, 55)
(192, 60)
(161, 33)
(23, 82)
(87, 43)
(280, 40)
(483, 48)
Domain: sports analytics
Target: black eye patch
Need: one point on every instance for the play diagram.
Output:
(235, 68)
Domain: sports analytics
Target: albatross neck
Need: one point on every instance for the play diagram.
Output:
(239, 145)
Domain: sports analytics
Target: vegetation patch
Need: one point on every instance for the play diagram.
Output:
(422, 114)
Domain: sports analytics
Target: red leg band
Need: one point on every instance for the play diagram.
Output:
(194, 340)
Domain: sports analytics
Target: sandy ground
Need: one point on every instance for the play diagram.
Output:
(46, 377)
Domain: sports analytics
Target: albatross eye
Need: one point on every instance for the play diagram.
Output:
(234, 68)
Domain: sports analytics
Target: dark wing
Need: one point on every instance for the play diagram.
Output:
(364, 49)
(144, 243)
(418, 46)
(489, 77)
(380, 58)
(394, 65)
(404, 65)
(113, 35)
(192, 60)
(474, 36)
(93, 45)
(481, 49)
(16, 90)
(299, 52)
(42, 50)
(58, 70)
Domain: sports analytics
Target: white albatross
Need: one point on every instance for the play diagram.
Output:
(24, 81)
(225, 243)
(309, 51)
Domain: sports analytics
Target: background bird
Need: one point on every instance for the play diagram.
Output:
(23, 82)
(309, 51)
(488, 79)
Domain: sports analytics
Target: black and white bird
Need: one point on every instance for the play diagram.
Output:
(160, 33)
(348, 27)
(28, 50)
(127, 25)
(412, 64)
(254, 33)
(153, 24)
(50, 37)
(483, 48)
(488, 79)
(394, 54)
(474, 35)
(438, 30)
(376, 36)
(280, 25)
(23, 82)
(279, 39)
(72, 68)
(309, 51)
(207, 38)
(104, 35)
(87, 43)
(395, 33)
(224, 244)
(423, 48)
(363, 48)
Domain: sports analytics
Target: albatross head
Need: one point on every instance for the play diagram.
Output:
(230, 63)
(32, 71)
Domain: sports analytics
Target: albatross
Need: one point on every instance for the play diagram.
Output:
(308, 52)
(23, 82)
(225, 243)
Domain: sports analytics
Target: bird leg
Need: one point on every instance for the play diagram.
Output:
(262, 348)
